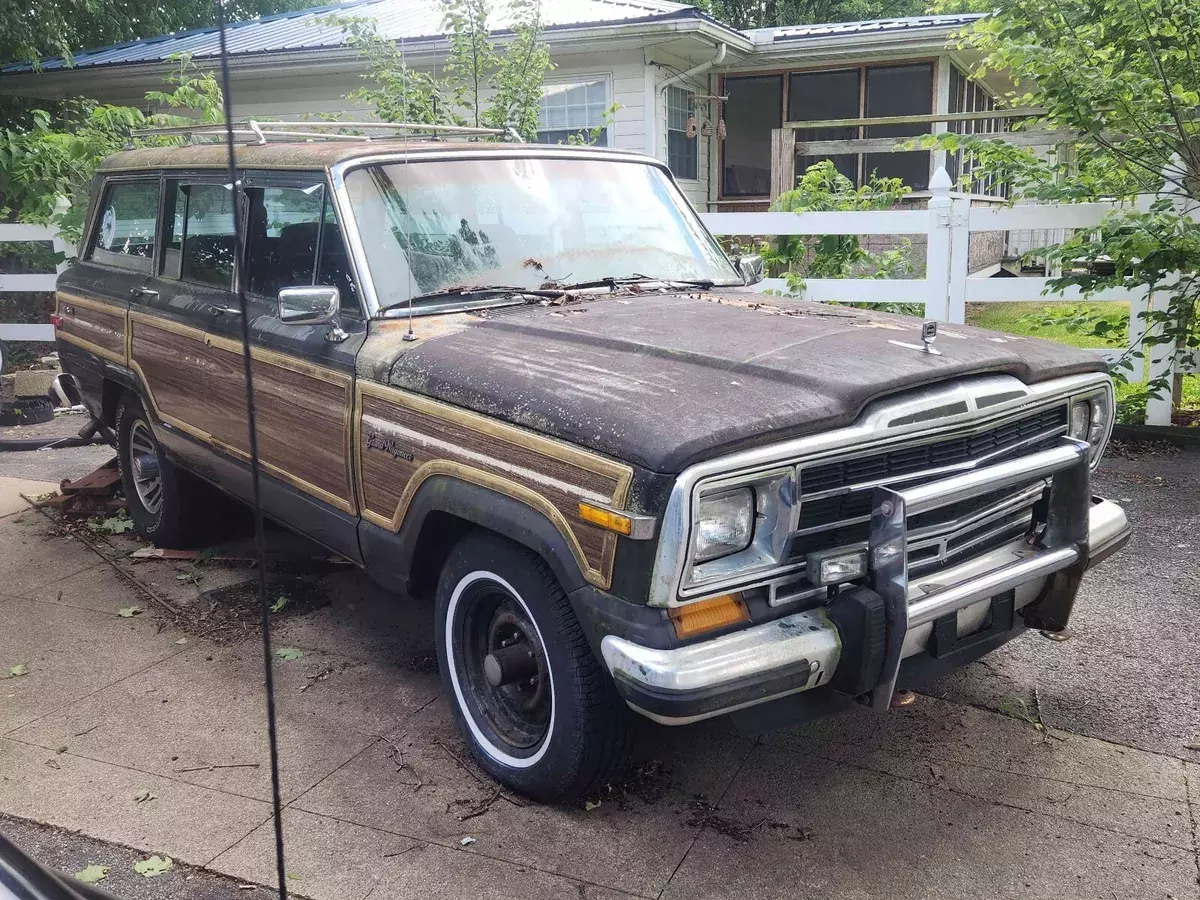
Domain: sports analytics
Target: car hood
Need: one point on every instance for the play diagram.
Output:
(666, 380)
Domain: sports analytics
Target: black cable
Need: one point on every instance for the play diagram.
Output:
(259, 539)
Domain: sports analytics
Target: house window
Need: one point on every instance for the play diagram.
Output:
(754, 107)
(575, 108)
(681, 149)
(967, 96)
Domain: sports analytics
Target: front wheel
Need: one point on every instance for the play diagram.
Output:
(164, 501)
(537, 708)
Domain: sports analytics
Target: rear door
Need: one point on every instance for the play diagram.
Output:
(303, 374)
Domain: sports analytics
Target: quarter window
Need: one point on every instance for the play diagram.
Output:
(200, 246)
(127, 217)
(681, 147)
(293, 239)
(574, 108)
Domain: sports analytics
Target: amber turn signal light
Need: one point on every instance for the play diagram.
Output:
(707, 615)
(606, 518)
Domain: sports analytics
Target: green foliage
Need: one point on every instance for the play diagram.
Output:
(1125, 74)
(57, 156)
(764, 13)
(482, 84)
(823, 188)
(1082, 319)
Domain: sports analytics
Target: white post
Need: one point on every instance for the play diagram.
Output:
(937, 253)
(960, 255)
(61, 205)
(1162, 356)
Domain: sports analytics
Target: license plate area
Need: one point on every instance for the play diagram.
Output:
(945, 641)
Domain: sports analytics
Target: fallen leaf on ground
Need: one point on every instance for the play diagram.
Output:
(466, 842)
(92, 874)
(128, 612)
(118, 524)
(592, 804)
(144, 796)
(155, 865)
(279, 604)
(181, 641)
(289, 653)
(18, 670)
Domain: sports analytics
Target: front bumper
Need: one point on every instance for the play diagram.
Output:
(805, 650)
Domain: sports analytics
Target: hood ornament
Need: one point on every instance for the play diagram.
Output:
(928, 336)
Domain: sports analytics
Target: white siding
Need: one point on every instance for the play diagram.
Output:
(626, 88)
(696, 190)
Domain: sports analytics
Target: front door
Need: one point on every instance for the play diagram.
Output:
(303, 374)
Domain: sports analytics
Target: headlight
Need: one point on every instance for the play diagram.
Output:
(1091, 420)
(724, 524)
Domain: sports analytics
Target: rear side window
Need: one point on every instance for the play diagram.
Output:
(293, 240)
(125, 226)
(199, 246)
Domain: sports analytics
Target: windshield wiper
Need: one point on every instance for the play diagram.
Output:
(613, 283)
(472, 291)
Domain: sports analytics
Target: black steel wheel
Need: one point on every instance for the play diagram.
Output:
(535, 705)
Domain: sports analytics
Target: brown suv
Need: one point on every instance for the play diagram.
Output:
(527, 380)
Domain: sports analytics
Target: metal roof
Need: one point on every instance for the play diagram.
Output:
(906, 24)
(415, 20)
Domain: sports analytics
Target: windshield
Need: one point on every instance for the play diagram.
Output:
(525, 222)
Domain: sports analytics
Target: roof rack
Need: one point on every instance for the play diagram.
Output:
(254, 131)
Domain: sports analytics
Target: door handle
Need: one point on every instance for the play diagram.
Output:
(142, 292)
(225, 310)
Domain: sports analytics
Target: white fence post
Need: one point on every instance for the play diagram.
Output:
(1162, 356)
(61, 205)
(937, 253)
(960, 257)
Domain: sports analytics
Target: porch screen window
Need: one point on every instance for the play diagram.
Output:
(754, 107)
(899, 91)
(574, 108)
(681, 149)
(826, 95)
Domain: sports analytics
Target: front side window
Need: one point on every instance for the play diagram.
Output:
(200, 247)
(293, 240)
(126, 224)
(574, 108)
(524, 222)
(681, 146)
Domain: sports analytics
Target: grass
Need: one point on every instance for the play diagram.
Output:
(1007, 317)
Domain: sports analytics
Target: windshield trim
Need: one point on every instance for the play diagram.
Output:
(354, 242)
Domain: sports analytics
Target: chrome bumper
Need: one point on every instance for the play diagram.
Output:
(1079, 531)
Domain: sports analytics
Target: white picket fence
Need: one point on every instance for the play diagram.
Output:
(947, 287)
(11, 284)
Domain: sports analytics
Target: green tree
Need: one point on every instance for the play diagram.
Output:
(1125, 76)
(766, 13)
(483, 82)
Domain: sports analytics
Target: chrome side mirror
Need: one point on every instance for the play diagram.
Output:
(751, 269)
(314, 305)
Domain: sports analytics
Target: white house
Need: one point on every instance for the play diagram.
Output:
(691, 90)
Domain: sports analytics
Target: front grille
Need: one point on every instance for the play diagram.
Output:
(836, 496)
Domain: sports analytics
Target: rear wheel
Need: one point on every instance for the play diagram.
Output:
(538, 710)
(164, 501)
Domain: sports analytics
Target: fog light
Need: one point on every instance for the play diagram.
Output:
(836, 567)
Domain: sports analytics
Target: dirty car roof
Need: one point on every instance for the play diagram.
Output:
(316, 154)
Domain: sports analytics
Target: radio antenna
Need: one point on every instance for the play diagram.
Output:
(408, 335)
(248, 375)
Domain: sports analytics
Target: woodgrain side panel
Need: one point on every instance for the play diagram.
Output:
(93, 325)
(195, 383)
(303, 421)
(404, 439)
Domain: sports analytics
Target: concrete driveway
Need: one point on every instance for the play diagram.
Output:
(1048, 769)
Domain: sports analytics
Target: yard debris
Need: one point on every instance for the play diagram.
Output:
(218, 766)
(128, 612)
(92, 874)
(289, 653)
(155, 865)
(280, 602)
(144, 796)
(466, 842)
(705, 815)
(115, 524)
(181, 641)
(18, 670)
(315, 677)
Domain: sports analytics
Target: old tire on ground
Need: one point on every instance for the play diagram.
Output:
(164, 501)
(26, 411)
(553, 728)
